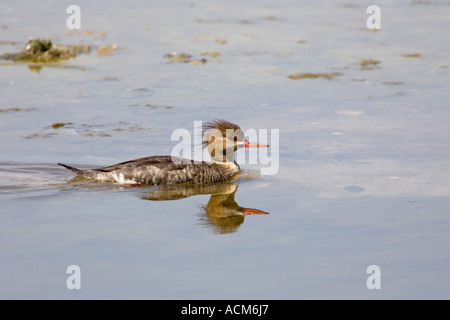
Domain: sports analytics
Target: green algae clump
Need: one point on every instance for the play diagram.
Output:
(328, 76)
(43, 50)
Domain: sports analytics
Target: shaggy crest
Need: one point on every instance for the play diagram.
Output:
(218, 124)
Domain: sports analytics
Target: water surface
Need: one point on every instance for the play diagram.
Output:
(363, 176)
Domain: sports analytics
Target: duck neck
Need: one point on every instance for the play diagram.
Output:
(222, 156)
(226, 159)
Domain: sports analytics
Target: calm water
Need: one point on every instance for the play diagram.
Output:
(363, 158)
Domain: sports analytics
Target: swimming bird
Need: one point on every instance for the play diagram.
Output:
(221, 138)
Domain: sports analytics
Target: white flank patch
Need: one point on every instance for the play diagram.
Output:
(120, 178)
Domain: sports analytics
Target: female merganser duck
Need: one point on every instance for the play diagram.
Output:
(221, 138)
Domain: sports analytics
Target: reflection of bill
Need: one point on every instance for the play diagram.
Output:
(222, 213)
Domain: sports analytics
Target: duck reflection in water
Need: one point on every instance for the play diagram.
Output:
(221, 213)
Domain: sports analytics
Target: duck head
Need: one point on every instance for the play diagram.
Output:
(222, 138)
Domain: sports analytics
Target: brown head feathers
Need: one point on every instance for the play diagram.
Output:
(218, 124)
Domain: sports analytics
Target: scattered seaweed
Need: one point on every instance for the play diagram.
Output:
(221, 41)
(359, 80)
(217, 40)
(328, 76)
(107, 50)
(16, 109)
(197, 62)
(153, 106)
(200, 20)
(40, 135)
(85, 130)
(58, 125)
(135, 128)
(97, 35)
(282, 54)
(430, 3)
(369, 64)
(183, 58)
(212, 54)
(13, 43)
(411, 55)
(94, 134)
(177, 57)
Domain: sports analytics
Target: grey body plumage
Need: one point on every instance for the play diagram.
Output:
(158, 170)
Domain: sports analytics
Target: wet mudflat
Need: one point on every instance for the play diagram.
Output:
(363, 173)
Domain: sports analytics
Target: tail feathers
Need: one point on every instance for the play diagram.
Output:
(75, 170)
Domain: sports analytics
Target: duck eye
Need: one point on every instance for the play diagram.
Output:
(235, 139)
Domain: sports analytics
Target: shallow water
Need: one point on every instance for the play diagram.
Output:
(363, 175)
